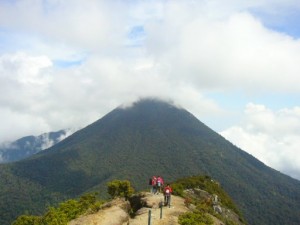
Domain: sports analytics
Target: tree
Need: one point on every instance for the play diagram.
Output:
(27, 220)
(118, 188)
(55, 217)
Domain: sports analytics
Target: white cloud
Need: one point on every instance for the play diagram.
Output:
(47, 142)
(17, 123)
(81, 24)
(188, 50)
(232, 53)
(25, 68)
(38, 98)
(270, 136)
(23, 79)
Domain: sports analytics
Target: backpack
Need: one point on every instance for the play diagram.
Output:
(167, 191)
(158, 183)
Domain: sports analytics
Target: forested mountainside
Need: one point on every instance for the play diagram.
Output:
(133, 143)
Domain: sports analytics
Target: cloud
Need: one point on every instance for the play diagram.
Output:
(19, 123)
(38, 98)
(270, 136)
(23, 80)
(81, 24)
(232, 53)
(47, 142)
(67, 63)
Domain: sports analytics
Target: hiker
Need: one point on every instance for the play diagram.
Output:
(159, 183)
(167, 195)
(154, 185)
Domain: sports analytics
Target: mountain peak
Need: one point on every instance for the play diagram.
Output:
(133, 143)
(150, 101)
(150, 105)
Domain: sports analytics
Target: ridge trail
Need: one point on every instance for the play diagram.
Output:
(116, 213)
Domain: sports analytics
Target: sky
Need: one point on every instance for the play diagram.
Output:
(234, 64)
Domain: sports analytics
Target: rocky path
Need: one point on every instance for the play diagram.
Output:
(169, 215)
(116, 213)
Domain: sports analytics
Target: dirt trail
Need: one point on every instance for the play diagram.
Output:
(114, 214)
(169, 215)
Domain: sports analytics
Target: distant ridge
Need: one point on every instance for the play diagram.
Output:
(29, 145)
(150, 137)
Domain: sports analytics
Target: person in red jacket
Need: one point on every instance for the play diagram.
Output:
(159, 183)
(167, 194)
(154, 183)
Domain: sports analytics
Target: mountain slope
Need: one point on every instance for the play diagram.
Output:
(27, 146)
(204, 200)
(152, 137)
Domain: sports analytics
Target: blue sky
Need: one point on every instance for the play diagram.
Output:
(285, 22)
(234, 65)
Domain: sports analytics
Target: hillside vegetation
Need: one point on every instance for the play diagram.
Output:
(198, 208)
(209, 198)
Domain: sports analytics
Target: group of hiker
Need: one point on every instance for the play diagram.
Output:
(157, 186)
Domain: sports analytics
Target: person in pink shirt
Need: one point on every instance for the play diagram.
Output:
(159, 183)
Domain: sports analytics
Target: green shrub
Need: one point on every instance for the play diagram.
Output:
(87, 201)
(96, 206)
(195, 218)
(178, 189)
(27, 220)
(54, 217)
(65, 212)
(118, 188)
(70, 209)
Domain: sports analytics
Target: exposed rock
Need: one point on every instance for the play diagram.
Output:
(217, 209)
(152, 200)
(141, 211)
(116, 212)
(112, 213)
